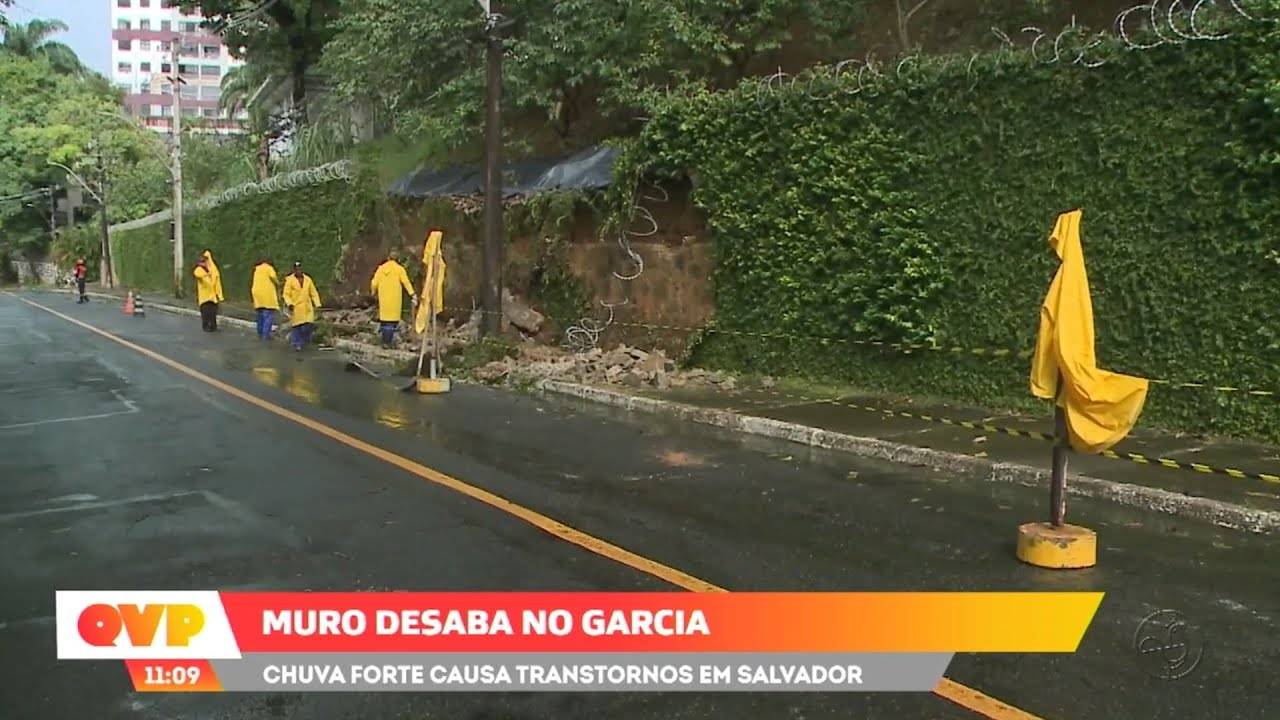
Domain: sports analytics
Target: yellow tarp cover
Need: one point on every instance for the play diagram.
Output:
(432, 300)
(1101, 406)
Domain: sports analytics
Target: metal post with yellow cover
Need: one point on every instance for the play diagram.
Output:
(390, 283)
(1094, 408)
(430, 305)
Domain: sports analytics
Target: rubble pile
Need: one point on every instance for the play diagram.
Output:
(622, 365)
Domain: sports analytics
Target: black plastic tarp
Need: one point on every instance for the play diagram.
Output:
(589, 169)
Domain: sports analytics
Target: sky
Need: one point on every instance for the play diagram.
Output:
(89, 22)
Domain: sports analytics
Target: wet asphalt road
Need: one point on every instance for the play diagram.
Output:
(121, 473)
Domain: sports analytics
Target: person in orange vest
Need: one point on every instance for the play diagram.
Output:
(390, 282)
(206, 295)
(80, 272)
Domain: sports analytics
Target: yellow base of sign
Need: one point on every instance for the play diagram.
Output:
(433, 386)
(1066, 547)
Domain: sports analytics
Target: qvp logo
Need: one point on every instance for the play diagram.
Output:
(100, 624)
(143, 625)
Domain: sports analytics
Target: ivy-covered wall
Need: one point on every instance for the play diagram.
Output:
(312, 225)
(918, 210)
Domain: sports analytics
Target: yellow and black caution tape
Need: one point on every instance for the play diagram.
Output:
(1193, 466)
(1037, 435)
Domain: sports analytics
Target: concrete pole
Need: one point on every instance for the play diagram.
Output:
(178, 248)
(491, 284)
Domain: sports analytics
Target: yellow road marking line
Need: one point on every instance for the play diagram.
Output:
(964, 696)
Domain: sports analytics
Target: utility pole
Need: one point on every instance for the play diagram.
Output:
(491, 286)
(178, 250)
(106, 273)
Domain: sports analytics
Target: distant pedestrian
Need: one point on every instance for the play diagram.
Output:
(206, 295)
(302, 300)
(266, 297)
(80, 272)
(389, 280)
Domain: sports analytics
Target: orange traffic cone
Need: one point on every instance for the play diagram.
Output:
(128, 303)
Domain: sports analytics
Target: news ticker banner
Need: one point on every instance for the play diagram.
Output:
(208, 641)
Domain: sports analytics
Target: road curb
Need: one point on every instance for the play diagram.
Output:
(359, 350)
(1224, 514)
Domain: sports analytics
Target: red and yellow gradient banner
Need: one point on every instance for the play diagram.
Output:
(735, 622)
(173, 676)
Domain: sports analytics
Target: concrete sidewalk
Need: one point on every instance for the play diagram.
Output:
(908, 431)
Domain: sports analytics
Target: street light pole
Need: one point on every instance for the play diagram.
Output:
(491, 287)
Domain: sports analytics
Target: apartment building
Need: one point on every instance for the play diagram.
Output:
(153, 39)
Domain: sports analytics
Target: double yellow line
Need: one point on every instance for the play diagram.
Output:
(966, 697)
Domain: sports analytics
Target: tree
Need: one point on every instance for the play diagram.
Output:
(31, 40)
(570, 63)
(285, 34)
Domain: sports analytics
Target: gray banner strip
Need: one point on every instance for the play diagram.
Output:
(583, 672)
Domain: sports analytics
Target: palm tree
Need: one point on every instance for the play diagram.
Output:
(31, 40)
(239, 86)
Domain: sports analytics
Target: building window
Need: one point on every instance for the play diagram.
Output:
(144, 24)
(211, 51)
(122, 24)
(144, 67)
(144, 110)
(124, 45)
(189, 92)
(185, 69)
(210, 112)
(122, 3)
(188, 27)
(124, 67)
(144, 44)
(210, 93)
(189, 112)
(166, 46)
(166, 89)
(144, 3)
(166, 24)
(166, 68)
(210, 71)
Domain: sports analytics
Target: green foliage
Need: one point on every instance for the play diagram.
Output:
(144, 258)
(31, 40)
(568, 62)
(45, 117)
(79, 241)
(479, 353)
(548, 218)
(919, 209)
(312, 225)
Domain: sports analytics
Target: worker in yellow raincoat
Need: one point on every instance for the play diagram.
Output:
(302, 300)
(390, 282)
(218, 298)
(265, 291)
(206, 294)
(1101, 407)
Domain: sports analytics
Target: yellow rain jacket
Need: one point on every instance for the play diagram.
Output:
(266, 287)
(302, 299)
(206, 286)
(388, 281)
(217, 277)
(1101, 406)
(432, 282)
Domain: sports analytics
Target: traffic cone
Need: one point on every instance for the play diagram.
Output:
(138, 310)
(128, 303)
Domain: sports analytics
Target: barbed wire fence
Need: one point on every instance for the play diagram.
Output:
(330, 172)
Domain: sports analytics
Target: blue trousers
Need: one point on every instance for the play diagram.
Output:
(388, 331)
(301, 335)
(266, 319)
